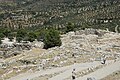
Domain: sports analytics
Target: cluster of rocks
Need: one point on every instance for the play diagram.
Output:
(86, 42)
(12, 48)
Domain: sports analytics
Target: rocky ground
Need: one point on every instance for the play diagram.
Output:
(114, 76)
(84, 48)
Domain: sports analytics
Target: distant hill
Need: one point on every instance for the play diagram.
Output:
(84, 13)
(7, 0)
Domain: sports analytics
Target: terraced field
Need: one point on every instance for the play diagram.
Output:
(51, 13)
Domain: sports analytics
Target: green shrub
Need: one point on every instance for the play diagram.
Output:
(31, 36)
(0, 41)
(21, 34)
(51, 39)
(69, 27)
(19, 39)
(2, 35)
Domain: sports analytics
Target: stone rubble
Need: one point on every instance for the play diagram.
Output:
(80, 46)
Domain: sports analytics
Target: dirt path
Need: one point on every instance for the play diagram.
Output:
(31, 75)
(103, 72)
(78, 67)
(98, 74)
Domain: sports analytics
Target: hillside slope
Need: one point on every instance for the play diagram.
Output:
(83, 13)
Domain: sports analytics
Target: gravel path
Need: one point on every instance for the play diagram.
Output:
(103, 72)
(31, 75)
(100, 73)
(78, 67)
